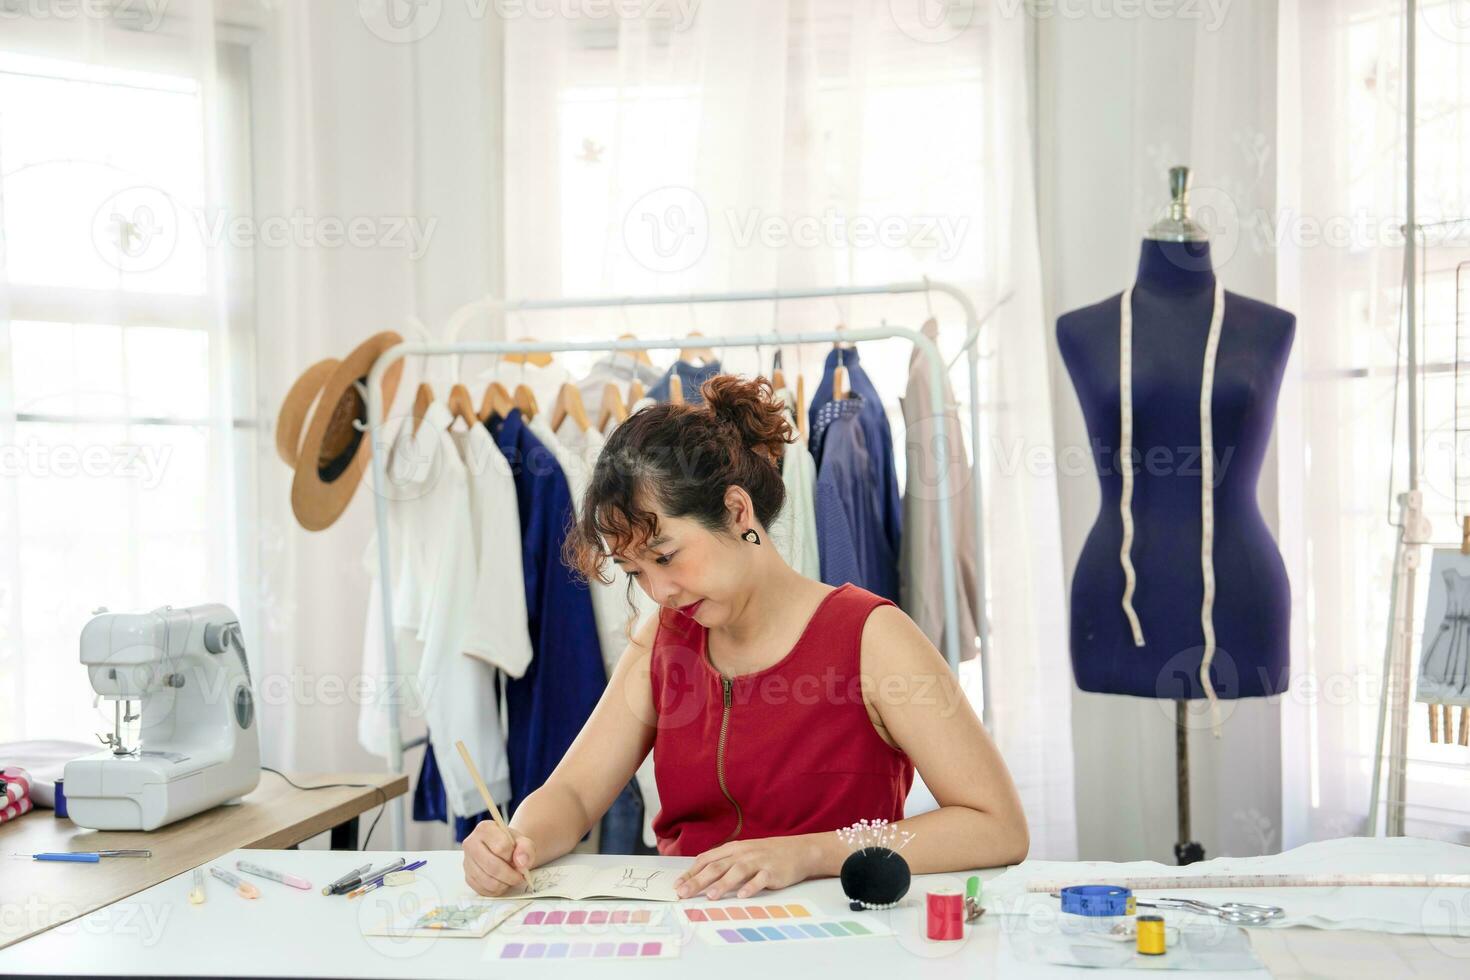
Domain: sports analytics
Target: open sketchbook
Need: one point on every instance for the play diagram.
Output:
(580, 881)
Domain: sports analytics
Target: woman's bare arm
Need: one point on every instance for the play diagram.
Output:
(610, 747)
(979, 823)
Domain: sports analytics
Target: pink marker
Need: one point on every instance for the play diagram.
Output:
(251, 868)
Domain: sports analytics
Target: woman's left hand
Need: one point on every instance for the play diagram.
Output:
(746, 867)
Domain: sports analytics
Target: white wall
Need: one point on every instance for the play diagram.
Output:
(1119, 101)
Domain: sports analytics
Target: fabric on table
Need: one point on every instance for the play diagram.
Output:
(15, 792)
(1427, 911)
(44, 761)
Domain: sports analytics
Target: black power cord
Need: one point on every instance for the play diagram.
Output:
(371, 827)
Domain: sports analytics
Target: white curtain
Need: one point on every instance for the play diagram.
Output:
(1341, 263)
(123, 417)
(1197, 91)
(357, 119)
(793, 143)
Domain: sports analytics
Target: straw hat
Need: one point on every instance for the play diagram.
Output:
(330, 459)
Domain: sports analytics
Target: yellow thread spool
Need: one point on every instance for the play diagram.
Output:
(1151, 935)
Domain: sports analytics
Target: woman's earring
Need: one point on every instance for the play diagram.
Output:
(751, 536)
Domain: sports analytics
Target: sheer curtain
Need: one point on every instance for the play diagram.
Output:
(122, 411)
(1341, 261)
(359, 119)
(788, 143)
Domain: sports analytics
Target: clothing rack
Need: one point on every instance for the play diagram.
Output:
(491, 306)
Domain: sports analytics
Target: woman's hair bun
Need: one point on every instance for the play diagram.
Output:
(749, 406)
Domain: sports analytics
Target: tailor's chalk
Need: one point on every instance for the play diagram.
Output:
(196, 893)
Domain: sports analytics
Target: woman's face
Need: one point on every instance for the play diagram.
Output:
(688, 567)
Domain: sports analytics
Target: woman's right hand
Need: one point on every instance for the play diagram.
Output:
(494, 862)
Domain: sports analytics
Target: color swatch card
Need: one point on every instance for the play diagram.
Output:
(579, 881)
(746, 913)
(561, 950)
(776, 932)
(627, 921)
(468, 918)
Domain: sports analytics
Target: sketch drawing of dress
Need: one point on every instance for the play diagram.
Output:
(1444, 669)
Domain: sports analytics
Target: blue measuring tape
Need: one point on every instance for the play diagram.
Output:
(1095, 900)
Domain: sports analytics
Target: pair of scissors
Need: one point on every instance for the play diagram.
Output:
(1235, 913)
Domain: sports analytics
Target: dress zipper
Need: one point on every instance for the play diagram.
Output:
(726, 683)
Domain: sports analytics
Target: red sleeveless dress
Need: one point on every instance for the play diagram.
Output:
(781, 751)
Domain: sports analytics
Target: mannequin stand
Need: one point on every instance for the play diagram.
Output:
(1186, 851)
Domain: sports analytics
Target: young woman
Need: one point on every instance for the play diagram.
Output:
(778, 709)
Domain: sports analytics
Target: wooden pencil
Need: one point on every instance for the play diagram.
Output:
(469, 764)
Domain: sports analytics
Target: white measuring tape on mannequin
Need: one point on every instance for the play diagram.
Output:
(1207, 483)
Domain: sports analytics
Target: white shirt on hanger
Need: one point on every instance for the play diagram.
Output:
(429, 488)
(795, 528)
(498, 631)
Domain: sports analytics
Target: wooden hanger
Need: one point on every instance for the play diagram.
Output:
(676, 389)
(704, 354)
(422, 399)
(839, 382)
(612, 407)
(635, 393)
(839, 376)
(525, 400)
(540, 358)
(569, 402)
(461, 406)
(641, 356)
(495, 401)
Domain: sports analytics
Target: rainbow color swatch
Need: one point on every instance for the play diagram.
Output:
(786, 932)
(701, 914)
(574, 918)
(583, 950)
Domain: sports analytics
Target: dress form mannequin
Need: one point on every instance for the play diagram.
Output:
(1172, 303)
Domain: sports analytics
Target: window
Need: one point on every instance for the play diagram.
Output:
(116, 468)
(1342, 273)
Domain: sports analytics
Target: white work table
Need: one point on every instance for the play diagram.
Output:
(288, 932)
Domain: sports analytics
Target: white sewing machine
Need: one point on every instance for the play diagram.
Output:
(198, 743)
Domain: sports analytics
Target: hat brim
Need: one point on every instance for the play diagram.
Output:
(296, 408)
(334, 453)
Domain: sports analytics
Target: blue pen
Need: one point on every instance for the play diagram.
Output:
(91, 857)
(86, 857)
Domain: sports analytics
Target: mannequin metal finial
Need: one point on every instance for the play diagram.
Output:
(1178, 226)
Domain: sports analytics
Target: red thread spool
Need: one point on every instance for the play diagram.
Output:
(946, 915)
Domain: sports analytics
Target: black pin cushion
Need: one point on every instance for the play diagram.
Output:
(875, 878)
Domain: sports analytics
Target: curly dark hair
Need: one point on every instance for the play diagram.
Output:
(682, 458)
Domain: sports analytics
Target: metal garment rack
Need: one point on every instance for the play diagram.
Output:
(490, 306)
